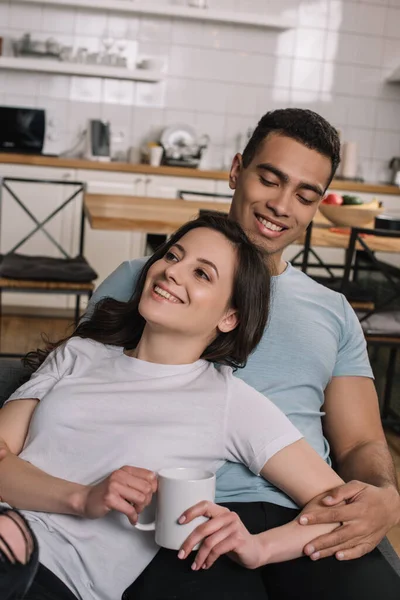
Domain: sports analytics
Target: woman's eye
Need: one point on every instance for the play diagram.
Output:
(170, 256)
(202, 274)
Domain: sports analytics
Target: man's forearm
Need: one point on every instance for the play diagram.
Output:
(371, 463)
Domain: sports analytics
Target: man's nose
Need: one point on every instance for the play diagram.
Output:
(281, 203)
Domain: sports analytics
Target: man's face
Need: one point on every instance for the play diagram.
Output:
(277, 195)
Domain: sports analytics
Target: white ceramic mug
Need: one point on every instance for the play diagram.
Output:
(178, 490)
(156, 154)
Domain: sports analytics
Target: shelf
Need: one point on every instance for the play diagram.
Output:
(180, 12)
(40, 65)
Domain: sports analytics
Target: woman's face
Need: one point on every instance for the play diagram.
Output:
(188, 291)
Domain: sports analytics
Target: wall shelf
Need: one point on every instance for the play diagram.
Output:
(83, 70)
(276, 22)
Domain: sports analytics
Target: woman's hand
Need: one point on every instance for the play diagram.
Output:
(224, 533)
(128, 490)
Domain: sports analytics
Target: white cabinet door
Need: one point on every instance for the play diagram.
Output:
(41, 200)
(222, 187)
(105, 250)
(160, 186)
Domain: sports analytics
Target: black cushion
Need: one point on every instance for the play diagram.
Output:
(12, 375)
(46, 268)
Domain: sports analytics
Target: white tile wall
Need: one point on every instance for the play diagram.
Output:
(221, 78)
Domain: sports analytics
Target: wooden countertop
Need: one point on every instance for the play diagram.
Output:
(141, 213)
(159, 215)
(79, 163)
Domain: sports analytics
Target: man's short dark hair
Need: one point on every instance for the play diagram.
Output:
(302, 125)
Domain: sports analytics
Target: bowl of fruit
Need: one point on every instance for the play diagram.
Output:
(350, 211)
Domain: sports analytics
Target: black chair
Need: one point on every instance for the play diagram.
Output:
(381, 322)
(27, 273)
(359, 295)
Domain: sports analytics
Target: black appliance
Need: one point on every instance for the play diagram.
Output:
(390, 222)
(22, 130)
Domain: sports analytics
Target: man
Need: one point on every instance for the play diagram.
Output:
(312, 363)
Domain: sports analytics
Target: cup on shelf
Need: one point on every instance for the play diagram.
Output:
(82, 55)
(156, 154)
(66, 54)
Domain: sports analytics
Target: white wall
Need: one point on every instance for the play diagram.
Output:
(222, 78)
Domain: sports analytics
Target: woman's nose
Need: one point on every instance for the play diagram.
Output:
(173, 273)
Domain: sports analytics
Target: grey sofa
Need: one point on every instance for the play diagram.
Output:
(13, 374)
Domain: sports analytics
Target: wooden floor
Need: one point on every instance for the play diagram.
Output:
(21, 334)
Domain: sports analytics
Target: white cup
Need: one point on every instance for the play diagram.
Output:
(156, 154)
(178, 490)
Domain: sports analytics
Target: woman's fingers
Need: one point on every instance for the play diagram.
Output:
(203, 509)
(221, 542)
(149, 477)
(115, 501)
(133, 488)
(203, 531)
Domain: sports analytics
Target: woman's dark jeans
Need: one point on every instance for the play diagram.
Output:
(16, 576)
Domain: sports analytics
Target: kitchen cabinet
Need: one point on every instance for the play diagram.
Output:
(105, 250)
(41, 200)
(159, 186)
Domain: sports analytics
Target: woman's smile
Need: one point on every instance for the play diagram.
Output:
(161, 293)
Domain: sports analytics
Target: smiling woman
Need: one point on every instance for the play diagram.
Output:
(207, 284)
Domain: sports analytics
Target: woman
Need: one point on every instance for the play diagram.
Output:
(135, 386)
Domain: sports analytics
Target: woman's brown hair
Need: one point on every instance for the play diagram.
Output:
(120, 323)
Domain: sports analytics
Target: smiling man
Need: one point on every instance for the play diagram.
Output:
(312, 363)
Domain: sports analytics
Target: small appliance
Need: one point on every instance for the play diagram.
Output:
(98, 141)
(22, 130)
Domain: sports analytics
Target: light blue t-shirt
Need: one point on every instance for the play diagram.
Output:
(312, 335)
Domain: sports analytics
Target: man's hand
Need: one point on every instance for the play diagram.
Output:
(224, 533)
(366, 513)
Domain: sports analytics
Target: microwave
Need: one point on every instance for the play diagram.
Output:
(22, 130)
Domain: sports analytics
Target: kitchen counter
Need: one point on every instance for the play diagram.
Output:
(78, 163)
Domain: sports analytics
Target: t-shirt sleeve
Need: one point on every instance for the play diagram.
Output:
(255, 428)
(57, 364)
(119, 285)
(352, 358)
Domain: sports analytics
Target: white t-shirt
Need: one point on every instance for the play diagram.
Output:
(100, 410)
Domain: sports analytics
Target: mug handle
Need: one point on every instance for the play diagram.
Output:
(146, 526)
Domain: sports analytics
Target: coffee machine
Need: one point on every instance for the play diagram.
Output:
(98, 141)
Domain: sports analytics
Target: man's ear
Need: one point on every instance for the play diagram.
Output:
(236, 167)
(229, 321)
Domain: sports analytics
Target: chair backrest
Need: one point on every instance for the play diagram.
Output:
(384, 276)
(39, 211)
